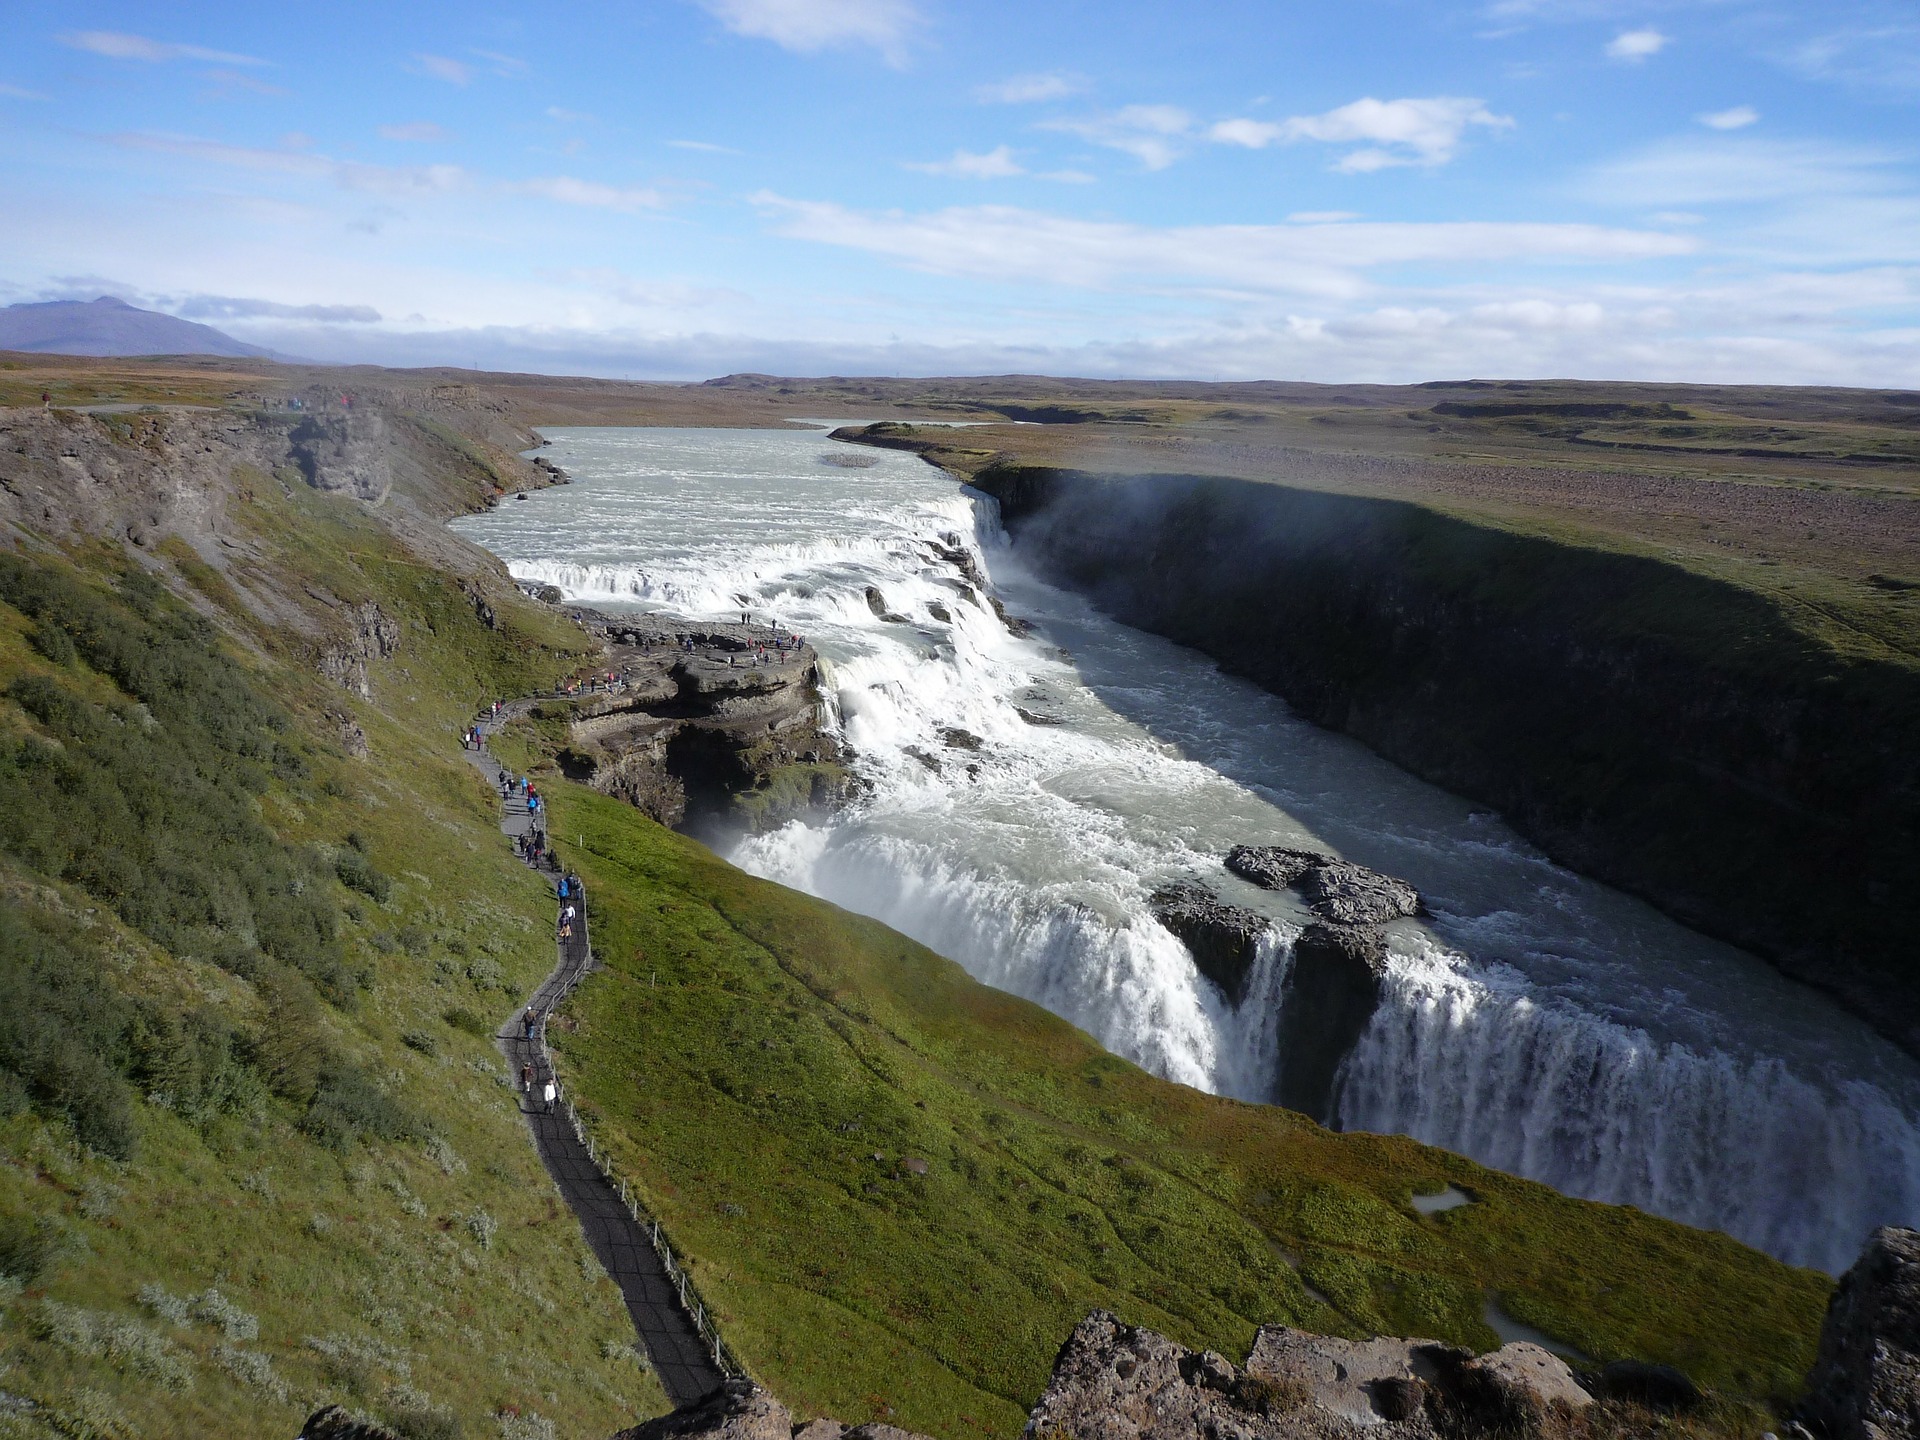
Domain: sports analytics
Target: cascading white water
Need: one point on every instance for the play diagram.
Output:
(1539, 1022)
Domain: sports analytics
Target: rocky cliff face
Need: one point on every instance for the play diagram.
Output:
(1665, 732)
(1866, 1383)
(198, 478)
(709, 728)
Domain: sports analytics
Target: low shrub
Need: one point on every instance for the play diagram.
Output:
(468, 1022)
(348, 1105)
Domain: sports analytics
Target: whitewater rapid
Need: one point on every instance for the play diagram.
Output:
(1027, 793)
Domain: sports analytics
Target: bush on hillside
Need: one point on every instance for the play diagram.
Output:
(65, 1032)
(150, 805)
(348, 1106)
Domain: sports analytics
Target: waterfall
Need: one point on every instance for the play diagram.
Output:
(1601, 1110)
(1024, 802)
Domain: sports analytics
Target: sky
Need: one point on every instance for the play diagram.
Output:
(1370, 190)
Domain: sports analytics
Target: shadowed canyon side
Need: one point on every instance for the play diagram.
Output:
(1671, 734)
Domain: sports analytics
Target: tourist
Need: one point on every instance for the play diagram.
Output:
(550, 1094)
(529, 1022)
(526, 1079)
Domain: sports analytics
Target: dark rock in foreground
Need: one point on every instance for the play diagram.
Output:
(1117, 1382)
(1865, 1384)
(1338, 891)
(1332, 992)
(1222, 938)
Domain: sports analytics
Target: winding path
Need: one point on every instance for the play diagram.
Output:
(680, 1357)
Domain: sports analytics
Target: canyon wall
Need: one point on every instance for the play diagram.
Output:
(1671, 734)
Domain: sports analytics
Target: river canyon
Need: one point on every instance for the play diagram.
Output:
(1029, 779)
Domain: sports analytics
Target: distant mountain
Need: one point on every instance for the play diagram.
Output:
(111, 327)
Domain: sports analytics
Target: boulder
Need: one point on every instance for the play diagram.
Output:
(738, 1410)
(1363, 1382)
(1222, 938)
(1519, 1384)
(1347, 894)
(820, 1430)
(1272, 867)
(1865, 1383)
(1338, 891)
(1332, 991)
(877, 603)
(1114, 1381)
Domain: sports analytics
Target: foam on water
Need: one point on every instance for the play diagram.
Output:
(1539, 1022)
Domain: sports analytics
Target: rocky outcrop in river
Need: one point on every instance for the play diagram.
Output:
(1221, 938)
(1338, 891)
(707, 727)
(1339, 961)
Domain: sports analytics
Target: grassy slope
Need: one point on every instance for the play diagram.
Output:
(367, 1250)
(751, 1051)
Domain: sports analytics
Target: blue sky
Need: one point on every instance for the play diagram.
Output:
(1371, 190)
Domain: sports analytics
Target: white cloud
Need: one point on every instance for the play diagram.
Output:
(505, 66)
(569, 191)
(1030, 89)
(118, 45)
(1395, 132)
(414, 132)
(441, 67)
(394, 179)
(1003, 243)
(809, 26)
(228, 307)
(1707, 170)
(995, 164)
(706, 147)
(1877, 56)
(567, 117)
(1254, 134)
(1636, 45)
(16, 92)
(1320, 217)
(348, 174)
(1152, 134)
(1738, 118)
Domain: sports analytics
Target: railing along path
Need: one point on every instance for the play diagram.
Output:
(671, 1318)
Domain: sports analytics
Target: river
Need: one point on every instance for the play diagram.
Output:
(1537, 1021)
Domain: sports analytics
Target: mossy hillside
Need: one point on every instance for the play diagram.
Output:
(764, 1066)
(349, 1174)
